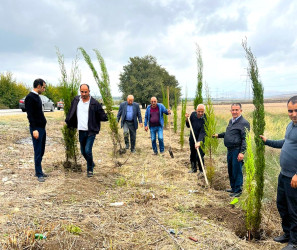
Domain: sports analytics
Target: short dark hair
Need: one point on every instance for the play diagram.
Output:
(37, 82)
(236, 104)
(84, 84)
(293, 100)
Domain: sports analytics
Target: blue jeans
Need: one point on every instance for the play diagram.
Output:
(39, 147)
(86, 144)
(154, 131)
(287, 207)
(235, 170)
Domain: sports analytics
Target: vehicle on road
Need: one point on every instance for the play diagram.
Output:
(47, 104)
(60, 105)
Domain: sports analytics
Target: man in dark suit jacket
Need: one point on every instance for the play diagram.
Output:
(129, 111)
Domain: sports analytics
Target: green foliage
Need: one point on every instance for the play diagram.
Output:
(120, 182)
(104, 87)
(183, 122)
(73, 229)
(175, 112)
(54, 92)
(198, 97)
(69, 89)
(258, 128)
(210, 144)
(250, 185)
(165, 103)
(11, 91)
(142, 78)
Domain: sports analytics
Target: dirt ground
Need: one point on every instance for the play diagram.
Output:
(135, 206)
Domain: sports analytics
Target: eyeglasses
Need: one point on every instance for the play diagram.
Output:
(291, 110)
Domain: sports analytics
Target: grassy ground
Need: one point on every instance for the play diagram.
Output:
(131, 207)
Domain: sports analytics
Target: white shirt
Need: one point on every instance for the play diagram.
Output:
(82, 113)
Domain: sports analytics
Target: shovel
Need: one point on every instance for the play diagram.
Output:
(169, 149)
(198, 152)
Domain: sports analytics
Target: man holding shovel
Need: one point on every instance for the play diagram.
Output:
(197, 120)
(234, 140)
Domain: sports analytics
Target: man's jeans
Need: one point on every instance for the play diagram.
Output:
(154, 131)
(287, 207)
(86, 145)
(235, 170)
(39, 147)
(129, 129)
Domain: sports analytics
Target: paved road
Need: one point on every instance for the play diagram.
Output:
(16, 111)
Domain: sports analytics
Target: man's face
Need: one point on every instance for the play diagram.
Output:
(84, 92)
(130, 100)
(41, 89)
(200, 112)
(236, 111)
(292, 112)
(154, 102)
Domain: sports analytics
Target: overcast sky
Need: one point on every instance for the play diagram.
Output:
(165, 29)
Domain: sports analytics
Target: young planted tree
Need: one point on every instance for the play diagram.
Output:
(175, 111)
(198, 97)
(69, 87)
(250, 185)
(165, 103)
(183, 122)
(210, 144)
(258, 129)
(104, 87)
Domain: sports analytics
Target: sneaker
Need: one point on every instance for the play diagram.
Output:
(133, 151)
(45, 175)
(156, 153)
(282, 238)
(162, 152)
(229, 190)
(127, 146)
(41, 179)
(192, 171)
(289, 247)
(90, 174)
(238, 194)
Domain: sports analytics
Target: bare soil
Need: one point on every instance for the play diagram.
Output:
(129, 207)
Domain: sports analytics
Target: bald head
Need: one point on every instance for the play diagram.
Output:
(154, 102)
(200, 110)
(130, 99)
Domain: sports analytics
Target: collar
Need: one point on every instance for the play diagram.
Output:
(33, 91)
(234, 120)
(80, 99)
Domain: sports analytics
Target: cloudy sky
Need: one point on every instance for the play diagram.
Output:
(167, 29)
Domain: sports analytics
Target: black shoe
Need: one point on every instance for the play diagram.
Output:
(127, 146)
(229, 190)
(90, 174)
(45, 175)
(41, 179)
(282, 238)
(192, 171)
(289, 247)
(156, 153)
(133, 151)
(235, 194)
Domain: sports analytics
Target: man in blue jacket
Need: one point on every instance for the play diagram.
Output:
(287, 181)
(155, 121)
(129, 111)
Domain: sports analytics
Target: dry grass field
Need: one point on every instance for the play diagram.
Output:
(130, 207)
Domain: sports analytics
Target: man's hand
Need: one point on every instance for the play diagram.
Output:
(36, 134)
(169, 111)
(146, 128)
(294, 181)
(263, 138)
(240, 157)
(197, 145)
(141, 125)
(215, 136)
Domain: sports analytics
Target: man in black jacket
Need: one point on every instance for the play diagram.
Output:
(197, 119)
(234, 140)
(37, 123)
(129, 111)
(85, 114)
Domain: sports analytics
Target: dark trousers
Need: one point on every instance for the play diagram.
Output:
(235, 170)
(86, 144)
(129, 129)
(287, 207)
(194, 156)
(39, 147)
